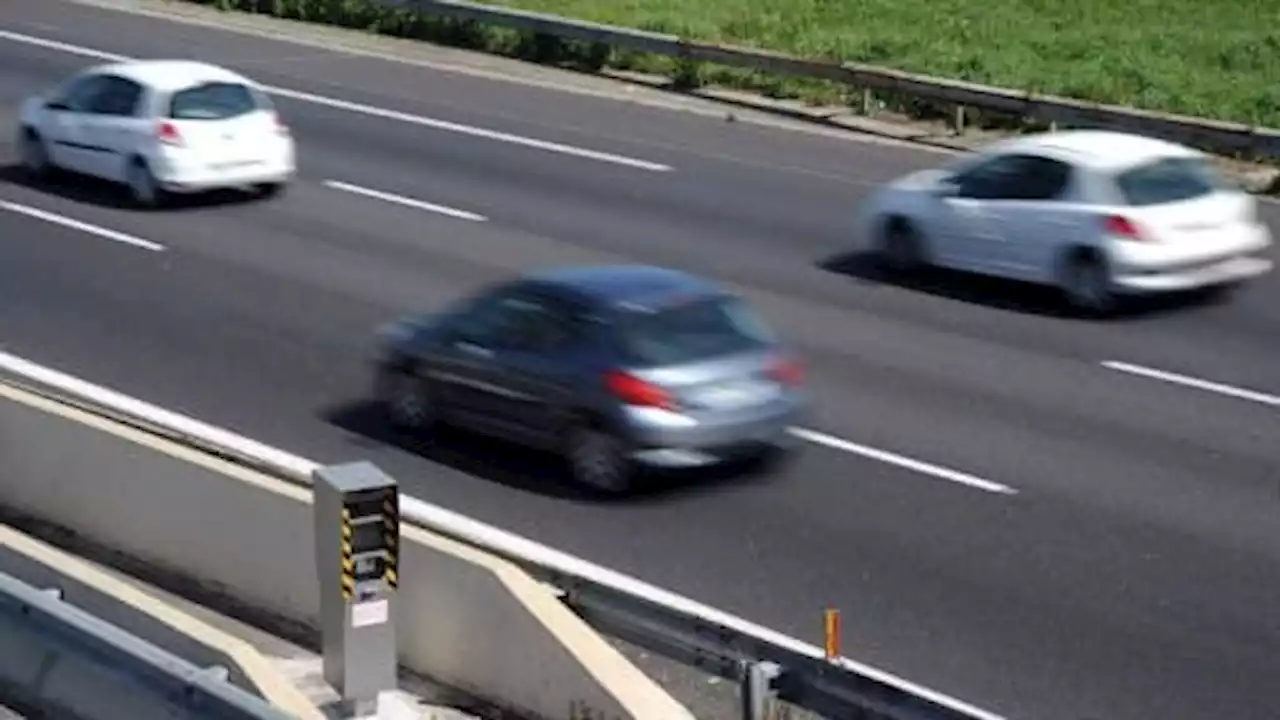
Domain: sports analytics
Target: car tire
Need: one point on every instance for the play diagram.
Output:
(35, 155)
(775, 459)
(406, 398)
(901, 248)
(144, 189)
(598, 460)
(1222, 292)
(268, 191)
(1086, 285)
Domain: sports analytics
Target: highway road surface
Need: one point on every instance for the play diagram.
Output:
(1049, 518)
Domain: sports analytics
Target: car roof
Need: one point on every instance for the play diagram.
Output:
(170, 75)
(1096, 149)
(627, 284)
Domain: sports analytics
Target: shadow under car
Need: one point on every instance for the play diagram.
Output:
(1011, 295)
(525, 469)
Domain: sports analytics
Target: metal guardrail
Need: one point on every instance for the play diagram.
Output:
(663, 622)
(1220, 137)
(68, 639)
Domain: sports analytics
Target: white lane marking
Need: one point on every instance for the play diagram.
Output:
(1193, 382)
(902, 461)
(406, 201)
(469, 130)
(81, 226)
(374, 111)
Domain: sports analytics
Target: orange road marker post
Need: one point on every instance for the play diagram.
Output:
(831, 631)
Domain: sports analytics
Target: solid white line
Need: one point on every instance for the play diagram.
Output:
(377, 111)
(406, 201)
(81, 226)
(1192, 382)
(902, 461)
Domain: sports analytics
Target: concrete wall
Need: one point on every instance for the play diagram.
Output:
(466, 619)
(97, 592)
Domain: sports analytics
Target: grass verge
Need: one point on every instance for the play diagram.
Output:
(1208, 59)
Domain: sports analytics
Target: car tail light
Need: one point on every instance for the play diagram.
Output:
(636, 391)
(787, 372)
(168, 134)
(1123, 227)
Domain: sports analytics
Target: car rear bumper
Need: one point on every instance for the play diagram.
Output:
(200, 179)
(1158, 269)
(1221, 272)
(676, 441)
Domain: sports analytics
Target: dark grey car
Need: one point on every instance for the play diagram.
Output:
(613, 367)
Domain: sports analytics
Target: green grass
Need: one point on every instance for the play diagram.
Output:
(1211, 58)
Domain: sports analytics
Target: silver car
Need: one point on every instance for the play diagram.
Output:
(616, 368)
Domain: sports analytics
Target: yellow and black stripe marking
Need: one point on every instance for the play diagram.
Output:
(348, 563)
(391, 531)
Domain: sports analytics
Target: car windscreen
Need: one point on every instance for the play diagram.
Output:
(1168, 180)
(215, 101)
(701, 329)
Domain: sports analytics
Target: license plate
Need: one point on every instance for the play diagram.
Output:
(232, 165)
(737, 394)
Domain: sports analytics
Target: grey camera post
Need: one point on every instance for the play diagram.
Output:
(357, 530)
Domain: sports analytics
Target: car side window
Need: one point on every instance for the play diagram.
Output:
(1014, 177)
(78, 95)
(116, 96)
(546, 324)
(989, 179)
(1042, 179)
(485, 321)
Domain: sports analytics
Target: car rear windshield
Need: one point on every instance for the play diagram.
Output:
(1168, 180)
(215, 101)
(691, 331)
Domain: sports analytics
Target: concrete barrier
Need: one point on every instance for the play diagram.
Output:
(99, 593)
(469, 620)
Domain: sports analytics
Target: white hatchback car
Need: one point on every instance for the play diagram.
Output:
(1098, 214)
(159, 126)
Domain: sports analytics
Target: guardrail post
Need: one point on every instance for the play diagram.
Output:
(757, 688)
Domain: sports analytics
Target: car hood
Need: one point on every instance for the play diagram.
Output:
(406, 327)
(921, 179)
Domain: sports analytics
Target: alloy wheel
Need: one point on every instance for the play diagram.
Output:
(406, 400)
(597, 460)
(142, 185)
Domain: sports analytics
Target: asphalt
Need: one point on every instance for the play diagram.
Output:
(1129, 574)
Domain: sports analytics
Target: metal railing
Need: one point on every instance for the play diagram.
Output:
(59, 661)
(660, 621)
(1221, 137)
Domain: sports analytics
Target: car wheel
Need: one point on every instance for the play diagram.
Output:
(900, 246)
(775, 459)
(143, 187)
(1222, 292)
(269, 190)
(1086, 284)
(406, 398)
(598, 460)
(35, 156)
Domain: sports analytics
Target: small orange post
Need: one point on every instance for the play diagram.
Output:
(831, 622)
